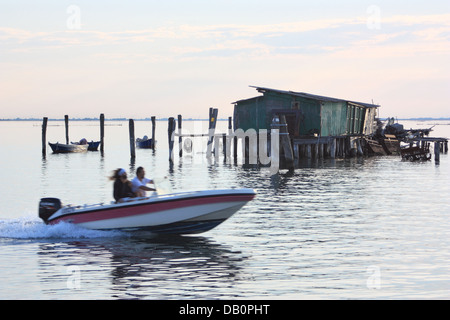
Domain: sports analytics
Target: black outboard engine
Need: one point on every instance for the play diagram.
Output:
(47, 207)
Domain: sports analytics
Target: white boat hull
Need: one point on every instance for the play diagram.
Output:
(180, 213)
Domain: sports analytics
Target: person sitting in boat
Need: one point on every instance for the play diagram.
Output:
(139, 183)
(122, 186)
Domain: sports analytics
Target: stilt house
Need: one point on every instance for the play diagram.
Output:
(306, 114)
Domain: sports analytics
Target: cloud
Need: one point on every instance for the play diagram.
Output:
(398, 35)
(423, 33)
(411, 20)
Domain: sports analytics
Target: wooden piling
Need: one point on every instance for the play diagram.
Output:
(333, 148)
(286, 142)
(235, 149)
(44, 136)
(296, 151)
(170, 130)
(132, 139)
(338, 147)
(345, 146)
(180, 139)
(246, 150)
(153, 131)
(227, 140)
(66, 121)
(102, 131)
(308, 151)
(436, 151)
(224, 145)
(359, 148)
(212, 128)
(234, 139)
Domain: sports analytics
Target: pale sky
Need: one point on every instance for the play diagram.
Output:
(138, 59)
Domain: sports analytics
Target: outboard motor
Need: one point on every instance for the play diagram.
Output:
(47, 207)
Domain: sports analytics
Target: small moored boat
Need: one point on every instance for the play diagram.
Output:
(145, 143)
(177, 213)
(68, 148)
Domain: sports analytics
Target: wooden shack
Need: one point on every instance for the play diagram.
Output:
(306, 114)
(313, 121)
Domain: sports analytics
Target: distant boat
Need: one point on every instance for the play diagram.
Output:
(68, 148)
(145, 143)
(92, 146)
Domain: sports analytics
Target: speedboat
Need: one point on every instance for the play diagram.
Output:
(176, 213)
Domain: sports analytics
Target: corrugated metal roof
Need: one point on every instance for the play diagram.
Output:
(309, 96)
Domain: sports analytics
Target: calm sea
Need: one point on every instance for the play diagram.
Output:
(362, 228)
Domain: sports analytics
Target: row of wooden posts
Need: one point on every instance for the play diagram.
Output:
(133, 138)
(290, 151)
(171, 128)
(66, 122)
(213, 113)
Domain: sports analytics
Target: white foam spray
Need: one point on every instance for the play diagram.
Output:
(34, 228)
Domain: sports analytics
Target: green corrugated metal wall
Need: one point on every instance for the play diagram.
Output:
(355, 119)
(250, 114)
(310, 110)
(273, 101)
(310, 121)
(327, 118)
(333, 118)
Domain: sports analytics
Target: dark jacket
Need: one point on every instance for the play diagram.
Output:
(122, 190)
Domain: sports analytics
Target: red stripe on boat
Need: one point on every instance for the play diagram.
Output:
(151, 207)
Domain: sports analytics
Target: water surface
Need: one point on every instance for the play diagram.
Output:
(362, 228)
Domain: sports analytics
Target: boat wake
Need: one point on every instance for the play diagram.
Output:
(34, 228)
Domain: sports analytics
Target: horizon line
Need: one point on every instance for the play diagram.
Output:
(186, 119)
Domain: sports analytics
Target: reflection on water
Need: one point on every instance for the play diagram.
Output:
(150, 268)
